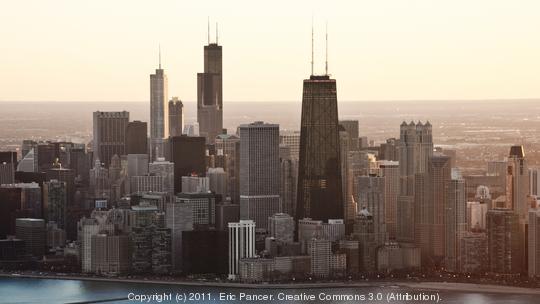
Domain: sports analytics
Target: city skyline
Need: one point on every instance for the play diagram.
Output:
(466, 52)
(328, 194)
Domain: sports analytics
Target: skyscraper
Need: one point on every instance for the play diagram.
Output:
(159, 112)
(351, 127)
(371, 196)
(259, 172)
(241, 244)
(288, 179)
(188, 155)
(55, 202)
(517, 182)
(109, 135)
(229, 146)
(390, 171)
(505, 242)
(210, 92)
(534, 243)
(165, 169)
(455, 220)
(8, 163)
(320, 195)
(429, 209)
(136, 137)
(415, 148)
(34, 234)
(176, 117)
(291, 139)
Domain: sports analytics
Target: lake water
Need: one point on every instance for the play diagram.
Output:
(24, 290)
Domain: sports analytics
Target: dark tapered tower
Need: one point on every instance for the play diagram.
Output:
(320, 195)
(319, 173)
(210, 93)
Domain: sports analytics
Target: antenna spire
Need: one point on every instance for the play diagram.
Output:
(326, 62)
(312, 46)
(159, 51)
(217, 33)
(208, 30)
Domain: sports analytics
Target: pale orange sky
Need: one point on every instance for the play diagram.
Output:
(379, 50)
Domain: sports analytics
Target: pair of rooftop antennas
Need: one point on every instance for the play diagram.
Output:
(313, 50)
(217, 33)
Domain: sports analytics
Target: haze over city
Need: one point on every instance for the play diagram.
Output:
(379, 50)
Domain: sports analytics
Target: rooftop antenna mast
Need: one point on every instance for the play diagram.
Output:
(208, 30)
(312, 46)
(326, 63)
(217, 33)
(159, 52)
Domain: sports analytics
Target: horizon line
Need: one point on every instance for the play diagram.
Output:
(285, 101)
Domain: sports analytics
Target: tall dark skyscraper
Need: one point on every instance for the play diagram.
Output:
(188, 153)
(210, 93)
(137, 137)
(319, 172)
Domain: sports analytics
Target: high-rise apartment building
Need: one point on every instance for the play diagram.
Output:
(415, 149)
(390, 171)
(259, 172)
(55, 202)
(109, 135)
(505, 241)
(455, 220)
(241, 244)
(534, 243)
(429, 213)
(178, 217)
(371, 196)
(110, 254)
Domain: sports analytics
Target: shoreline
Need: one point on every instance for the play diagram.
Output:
(439, 286)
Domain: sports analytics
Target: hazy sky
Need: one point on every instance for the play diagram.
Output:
(379, 50)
